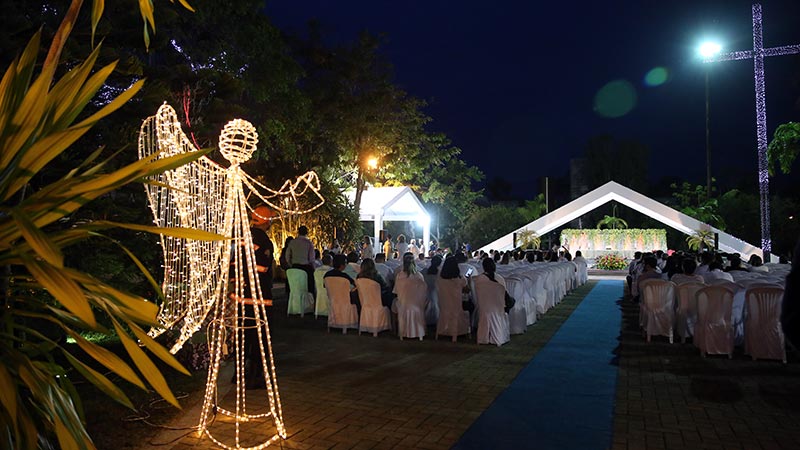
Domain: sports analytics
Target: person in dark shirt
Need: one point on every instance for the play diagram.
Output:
(339, 263)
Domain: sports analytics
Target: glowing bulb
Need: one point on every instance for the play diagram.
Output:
(709, 49)
(372, 163)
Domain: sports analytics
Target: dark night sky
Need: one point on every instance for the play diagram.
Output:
(513, 83)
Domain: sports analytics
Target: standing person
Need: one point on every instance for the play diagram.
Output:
(412, 247)
(335, 247)
(300, 255)
(264, 249)
(367, 251)
(402, 246)
(387, 246)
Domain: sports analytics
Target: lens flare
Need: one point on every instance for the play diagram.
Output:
(615, 99)
(656, 76)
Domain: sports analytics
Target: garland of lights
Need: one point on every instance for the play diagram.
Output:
(757, 54)
(203, 278)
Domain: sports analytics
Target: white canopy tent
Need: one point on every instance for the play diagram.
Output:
(392, 204)
(628, 197)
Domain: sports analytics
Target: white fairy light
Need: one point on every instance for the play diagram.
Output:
(199, 276)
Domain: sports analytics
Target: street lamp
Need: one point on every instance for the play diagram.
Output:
(707, 50)
(372, 163)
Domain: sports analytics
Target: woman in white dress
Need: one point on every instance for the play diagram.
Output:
(401, 246)
(412, 247)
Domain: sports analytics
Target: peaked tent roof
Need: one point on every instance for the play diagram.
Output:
(628, 197)
(391, 203)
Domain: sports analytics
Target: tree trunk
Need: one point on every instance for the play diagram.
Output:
(360, 185)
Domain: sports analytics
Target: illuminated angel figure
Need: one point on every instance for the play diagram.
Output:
(215, 279)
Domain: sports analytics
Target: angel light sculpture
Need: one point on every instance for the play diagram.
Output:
(216, 282)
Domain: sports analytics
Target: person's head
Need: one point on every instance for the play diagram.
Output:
(380, 257)
(368, 269)
(539, 256)
(715, 265)
(650, 263)
(497, 257)
(413, 242)
(339, 261)
(755, 261)
(553, 256)
(388, 237)
(352, 257)
(530, 257)
(689, 266)
(335, 243)
(706, 258)
(286, 242)
(365, 240)
(401, 238)
(578, 254)
(567, 256)
(489, 266)
(450, 268)
(316, 253)
(302, 230)
(409, 265)
(460, 257)
(327, 259)
(506, 258)
(436, 261)
(421, 256)
(637, 255)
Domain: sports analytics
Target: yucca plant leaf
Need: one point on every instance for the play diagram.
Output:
(38, 241)
(146, 367)
(99, 380)
(133, 307)
(63, 288)
(158, 350)
(114, 105)
(66, 440)
(8, 394)
(186, 5)
(97, 13)
(107, 358)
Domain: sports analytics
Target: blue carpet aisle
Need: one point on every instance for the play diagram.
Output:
(563, 398)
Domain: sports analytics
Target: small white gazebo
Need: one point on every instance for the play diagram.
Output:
(392, 204)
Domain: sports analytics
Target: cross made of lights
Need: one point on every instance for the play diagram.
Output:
(757, 54)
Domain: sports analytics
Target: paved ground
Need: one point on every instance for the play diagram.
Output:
(364, 392)
(350, 391)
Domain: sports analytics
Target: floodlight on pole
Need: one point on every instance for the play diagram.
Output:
(372, 163)
(708, 49)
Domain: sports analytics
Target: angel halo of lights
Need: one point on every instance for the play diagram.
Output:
(216, 282)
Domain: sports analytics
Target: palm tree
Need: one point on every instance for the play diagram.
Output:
(612, 222)
(701, 238)
(528, 239)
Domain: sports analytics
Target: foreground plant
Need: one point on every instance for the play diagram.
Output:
(39, 406)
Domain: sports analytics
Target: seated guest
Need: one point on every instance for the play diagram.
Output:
(339, 264)
(705, 260)
(489, 269)
(353, 267)
(757, 265)
(368, 271)
(465, 268)
(530, 257)
(506, 258)
(689, 266)
(649, 272)
(579, 258)
(735, 264)
(409, 271)
(715, 273)
(383, 269)
(451, 271)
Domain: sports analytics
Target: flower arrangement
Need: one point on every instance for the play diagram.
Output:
(611, 261)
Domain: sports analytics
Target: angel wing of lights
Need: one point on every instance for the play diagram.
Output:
(209, 282)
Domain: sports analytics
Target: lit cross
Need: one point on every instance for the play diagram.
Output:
(757, 54)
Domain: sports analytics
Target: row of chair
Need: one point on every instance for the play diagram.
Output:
(706, 313)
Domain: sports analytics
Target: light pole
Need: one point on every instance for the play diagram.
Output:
(708, 50)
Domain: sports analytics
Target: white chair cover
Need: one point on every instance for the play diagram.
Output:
(342, 314)
(714, 333)
(493, 326)
(374, 316)
(453, 320)
(686, 313)
(412, 294)
(323, 302)
(432, 306)
(658, 298)
(763, 334)
(300, 300)
(518, 315)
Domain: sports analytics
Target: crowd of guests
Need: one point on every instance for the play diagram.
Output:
(682, 267)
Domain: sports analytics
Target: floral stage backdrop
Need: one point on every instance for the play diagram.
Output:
(594, 243)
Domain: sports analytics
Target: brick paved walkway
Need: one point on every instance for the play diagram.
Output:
(669, 397)
(363, 392)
